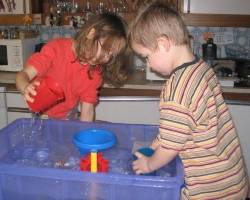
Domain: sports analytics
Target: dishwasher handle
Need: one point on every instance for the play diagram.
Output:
(128, 98)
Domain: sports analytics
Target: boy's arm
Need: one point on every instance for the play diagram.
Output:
(155, 144)
(161, 157)
(87, 112)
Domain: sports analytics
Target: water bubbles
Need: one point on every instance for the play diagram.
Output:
(33, 132)
(42, 155)
(27, 153)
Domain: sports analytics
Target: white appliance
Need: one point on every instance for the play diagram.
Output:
(3, 108)
(241, 7)
(140, 64)
(153, 76)
(118, 109)
(14, 52)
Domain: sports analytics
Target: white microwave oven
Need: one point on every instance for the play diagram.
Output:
(14, 53)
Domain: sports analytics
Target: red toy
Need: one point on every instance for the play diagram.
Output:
(102, 164)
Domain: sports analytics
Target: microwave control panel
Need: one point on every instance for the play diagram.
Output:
(16, 57)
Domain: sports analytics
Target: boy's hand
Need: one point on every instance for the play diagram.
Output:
(141, 165)
(30, 90)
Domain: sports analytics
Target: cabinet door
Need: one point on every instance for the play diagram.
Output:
(3, 108)
(241, 7)
(16, 107)
(16, 100)
(13, 115)
(240, 114)
(134, 110)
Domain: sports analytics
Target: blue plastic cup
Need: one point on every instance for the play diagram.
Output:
(146, 151)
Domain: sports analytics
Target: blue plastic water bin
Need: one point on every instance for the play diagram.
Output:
(21, 182)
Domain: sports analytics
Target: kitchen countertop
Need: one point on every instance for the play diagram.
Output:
(137, 85)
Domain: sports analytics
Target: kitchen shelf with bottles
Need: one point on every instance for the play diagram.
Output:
(128, 8)
(66, 10)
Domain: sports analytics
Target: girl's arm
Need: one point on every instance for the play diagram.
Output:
(23, 83)
(87, 112)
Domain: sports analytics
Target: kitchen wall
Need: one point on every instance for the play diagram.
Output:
(231, 42)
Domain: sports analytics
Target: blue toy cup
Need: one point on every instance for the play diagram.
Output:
(93, 140)
(146, 151)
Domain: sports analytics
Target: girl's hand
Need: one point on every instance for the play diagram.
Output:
(141, 165)
(30, 90)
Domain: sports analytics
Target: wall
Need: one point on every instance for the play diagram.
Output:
(231, 42)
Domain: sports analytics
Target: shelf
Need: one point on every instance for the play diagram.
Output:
(15, 20)
(212, 20)
(217, 20)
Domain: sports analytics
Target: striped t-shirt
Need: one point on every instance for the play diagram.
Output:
(195, 121)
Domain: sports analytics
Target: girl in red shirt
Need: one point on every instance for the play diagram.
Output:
(79, 65)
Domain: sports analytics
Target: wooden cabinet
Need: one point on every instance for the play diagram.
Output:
(239, 7)
(191, 19)
(222, 13)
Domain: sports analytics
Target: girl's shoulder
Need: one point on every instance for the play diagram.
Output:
(61, 42)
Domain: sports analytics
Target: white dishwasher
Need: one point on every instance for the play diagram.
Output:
(3, 108)
(129, 109)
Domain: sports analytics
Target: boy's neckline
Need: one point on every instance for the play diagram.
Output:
(186, 64)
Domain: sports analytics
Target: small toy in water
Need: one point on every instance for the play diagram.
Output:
(59, 164)
(94, 140)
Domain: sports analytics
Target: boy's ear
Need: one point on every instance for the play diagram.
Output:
(91, 34)
(164, 42)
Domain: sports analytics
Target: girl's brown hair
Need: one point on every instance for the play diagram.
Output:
(110, 32)
(156, 20)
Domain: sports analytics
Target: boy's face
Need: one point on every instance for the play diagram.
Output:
(158, 60)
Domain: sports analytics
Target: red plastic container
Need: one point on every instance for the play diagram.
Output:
(49, 93)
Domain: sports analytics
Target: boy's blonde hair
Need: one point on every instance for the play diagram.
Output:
(157, 20)
(111, 30)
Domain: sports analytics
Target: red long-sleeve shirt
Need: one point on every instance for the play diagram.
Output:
(57, 60)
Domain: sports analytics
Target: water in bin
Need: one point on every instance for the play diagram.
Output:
(33, 150)
(49, 93)
(33, 134)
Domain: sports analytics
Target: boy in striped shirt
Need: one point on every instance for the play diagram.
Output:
(195, 122)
